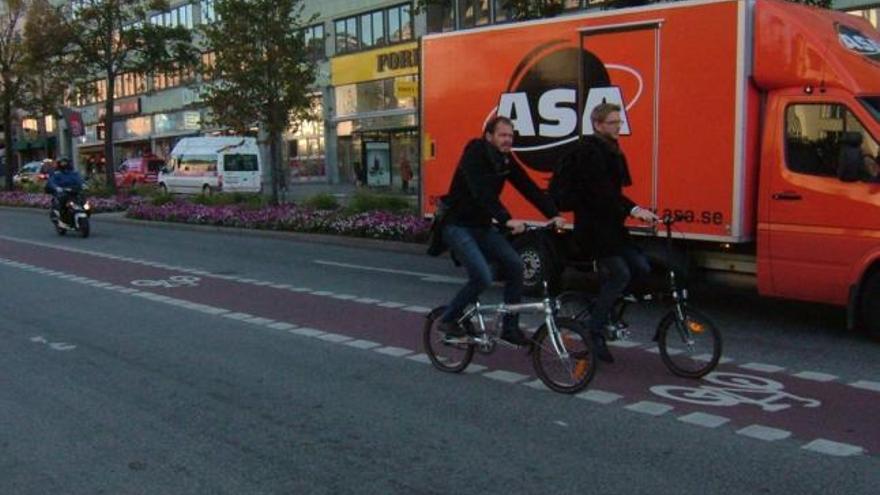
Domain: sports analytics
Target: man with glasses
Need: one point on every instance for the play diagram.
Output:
(600, 210)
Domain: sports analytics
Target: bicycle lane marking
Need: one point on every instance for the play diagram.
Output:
(809, 409)
(844, 415)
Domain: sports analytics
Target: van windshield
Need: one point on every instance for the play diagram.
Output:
(240, 163)
(872, 103)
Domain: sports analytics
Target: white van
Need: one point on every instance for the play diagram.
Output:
(211, 164)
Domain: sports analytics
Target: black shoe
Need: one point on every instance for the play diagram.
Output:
(451, 329)
(601, 347)
(515, 336)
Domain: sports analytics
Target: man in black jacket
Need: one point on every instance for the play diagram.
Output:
(600, 210)
(475, 212)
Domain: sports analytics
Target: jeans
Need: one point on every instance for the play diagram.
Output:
(474, 247)
(615, 274)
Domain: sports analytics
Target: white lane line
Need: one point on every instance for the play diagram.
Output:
(599, 396)
(703, 419)
(391, 305)
(420, 358)
(260, 321)
(300, 289)
(816, 376)
(506, 376)
(306, 332)
(334, 337)
(363, 344)
(473, 369)
(650, 408)
(367, 300)
(866, 385)
(624, 344)
(343, 297)
(537, 385)
(281, 325)
(417, 309)
(763, 368)
(238, 316)
(322, 293)
(393, 351)
(765, 433)
(281, 286)
(837, 449)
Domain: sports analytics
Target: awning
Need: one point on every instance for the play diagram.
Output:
(35, 144)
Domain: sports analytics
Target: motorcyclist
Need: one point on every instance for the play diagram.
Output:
(63, 179)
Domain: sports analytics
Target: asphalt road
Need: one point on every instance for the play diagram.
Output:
(295, 367)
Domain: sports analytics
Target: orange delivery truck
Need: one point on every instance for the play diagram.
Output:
(756, 122)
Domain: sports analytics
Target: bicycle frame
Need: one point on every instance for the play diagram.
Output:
(487, 339)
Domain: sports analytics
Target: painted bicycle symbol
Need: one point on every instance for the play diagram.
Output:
(172, 282)
(732, 389)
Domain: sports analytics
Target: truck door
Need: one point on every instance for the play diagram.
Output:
(820, 195)
(630, 55)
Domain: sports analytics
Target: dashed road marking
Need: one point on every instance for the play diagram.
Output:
(763, 368)
(837, 449)
(650, 408)
(600, 396)
(765, 433)
(624, 344)
(816, 376)
(866, 385)
(704, 419)
(393, 351)
(363, 344)
(505, 376)
(420, 358)
(281, 325)
(306, 332)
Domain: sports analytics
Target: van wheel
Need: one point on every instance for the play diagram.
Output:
(163, 189)
(869, 306)
(206, 190)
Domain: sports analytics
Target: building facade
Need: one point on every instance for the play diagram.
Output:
(366, 92)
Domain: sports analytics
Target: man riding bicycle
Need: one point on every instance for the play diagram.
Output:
(474, 213)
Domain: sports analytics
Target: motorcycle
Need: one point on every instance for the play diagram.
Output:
(75, 216)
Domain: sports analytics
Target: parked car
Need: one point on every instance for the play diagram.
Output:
(209, 164)
(140, 170)
(33, 172)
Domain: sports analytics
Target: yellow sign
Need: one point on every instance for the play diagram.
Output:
(384, 63)
(406, 89)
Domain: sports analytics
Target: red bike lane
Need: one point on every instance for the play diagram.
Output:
(808, 409)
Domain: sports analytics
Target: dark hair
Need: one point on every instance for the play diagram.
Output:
(494, 121)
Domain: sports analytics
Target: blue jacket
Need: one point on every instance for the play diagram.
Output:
(64, 178)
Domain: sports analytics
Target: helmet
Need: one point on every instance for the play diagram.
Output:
(64, 164)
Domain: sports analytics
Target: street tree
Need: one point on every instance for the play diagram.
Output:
(110, 38)
(12, 18)
(262, 73)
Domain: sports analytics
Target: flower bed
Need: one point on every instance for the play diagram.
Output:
(36, 200)
(375, 224)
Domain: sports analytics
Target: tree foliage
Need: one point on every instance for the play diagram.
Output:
(263, 71)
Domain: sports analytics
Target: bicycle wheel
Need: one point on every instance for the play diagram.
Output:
(567, 375)
(574, 305)
(451, 358)
(690, 348)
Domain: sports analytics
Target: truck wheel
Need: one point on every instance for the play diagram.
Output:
(537, 266)
(163, 189)
(206, 190)
(869, 306)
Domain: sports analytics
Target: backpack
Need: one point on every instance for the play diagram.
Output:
(561, 187)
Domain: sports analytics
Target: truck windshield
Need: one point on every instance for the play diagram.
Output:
(872, 103)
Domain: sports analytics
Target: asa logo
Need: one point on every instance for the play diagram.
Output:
(541, 99)
(852, 39)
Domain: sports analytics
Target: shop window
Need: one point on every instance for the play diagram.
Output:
(828, 140)
(376, 28)
(208, 15)
(313, 38)
(473, 12)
